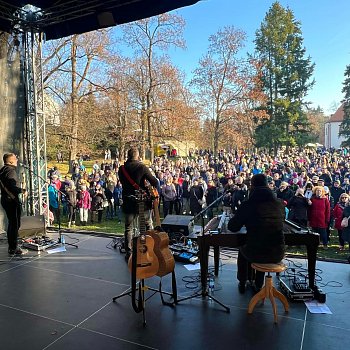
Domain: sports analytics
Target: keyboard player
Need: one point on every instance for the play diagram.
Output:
(263, 216)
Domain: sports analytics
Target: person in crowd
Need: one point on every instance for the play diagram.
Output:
(277, 180)
(211, 196)
(346, 230)
(298, 206)
(118, 200)
(308, 192)
(186, 187)
(54, 198)
(346, 185)
(227, 199)
(83, 204)
(294, 184)
(337, 213)
(331, 219)
(284, 192)
(178, 197)
(240, 193)
(336, 191)
(169, 196)
(108, 192)
(319, 214)
(10, 191)
(71, 200)
(98, 198)
(314, 180)
(133, 176)
(273, 187)
(196, 193)
(263, 216)
(326, 177)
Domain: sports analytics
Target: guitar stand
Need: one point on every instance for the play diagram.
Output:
(140, 306)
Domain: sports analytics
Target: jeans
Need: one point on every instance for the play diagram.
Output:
(323, 234)
(186, 206)
(130, 225)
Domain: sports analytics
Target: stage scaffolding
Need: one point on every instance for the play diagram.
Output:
(29, 37)
(35, 135)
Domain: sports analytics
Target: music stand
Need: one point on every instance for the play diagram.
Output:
(205, 293)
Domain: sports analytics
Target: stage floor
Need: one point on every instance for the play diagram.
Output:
(64, 301)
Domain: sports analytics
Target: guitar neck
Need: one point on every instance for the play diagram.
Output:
(142, 220)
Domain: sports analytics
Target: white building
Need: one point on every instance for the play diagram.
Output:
(331, 129)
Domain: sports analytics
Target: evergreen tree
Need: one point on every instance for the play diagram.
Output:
(286, 77)
(344, 129)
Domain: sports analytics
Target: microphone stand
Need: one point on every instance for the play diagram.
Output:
(205, 293)
(60, 237)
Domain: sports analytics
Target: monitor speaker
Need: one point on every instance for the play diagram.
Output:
(178, 224)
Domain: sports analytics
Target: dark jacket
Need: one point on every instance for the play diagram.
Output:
(346, 230)
(138, 172)
(263, 215)
(285, 195)
(9, 178)
(336, 192)
(298, 206)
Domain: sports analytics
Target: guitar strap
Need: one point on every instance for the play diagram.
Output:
(132, 182)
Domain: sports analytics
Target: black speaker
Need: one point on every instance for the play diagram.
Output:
(178, 224)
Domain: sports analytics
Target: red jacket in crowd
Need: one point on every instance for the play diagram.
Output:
(338, 216)
(319, 212)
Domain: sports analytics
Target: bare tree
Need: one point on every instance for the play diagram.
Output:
(149, 37)
(224, 82)
(71, 72)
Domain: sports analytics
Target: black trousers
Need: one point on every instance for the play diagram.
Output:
(13, 213)
(71, 213)
(245, 258)
(245, 272)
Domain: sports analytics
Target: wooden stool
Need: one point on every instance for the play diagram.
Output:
(268, 290)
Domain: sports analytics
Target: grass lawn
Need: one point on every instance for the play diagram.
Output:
(64, 167)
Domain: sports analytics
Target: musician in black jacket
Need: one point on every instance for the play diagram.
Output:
(137, 173)
(10, 190)
(263, 216)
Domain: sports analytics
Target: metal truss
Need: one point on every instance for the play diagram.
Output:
(35, 135)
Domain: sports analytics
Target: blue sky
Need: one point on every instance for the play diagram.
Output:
(324, 23)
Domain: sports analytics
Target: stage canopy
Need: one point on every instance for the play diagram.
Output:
(60, 18)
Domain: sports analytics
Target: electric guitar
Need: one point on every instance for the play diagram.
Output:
(146, 261)
(161, 240)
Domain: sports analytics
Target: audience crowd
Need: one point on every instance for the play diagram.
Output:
(313, 184)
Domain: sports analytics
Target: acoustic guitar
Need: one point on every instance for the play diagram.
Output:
(146, 260)
(161, 241)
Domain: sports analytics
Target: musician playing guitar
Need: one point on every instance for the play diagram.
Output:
(132, 176)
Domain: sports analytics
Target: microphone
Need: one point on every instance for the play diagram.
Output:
(23, 165)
